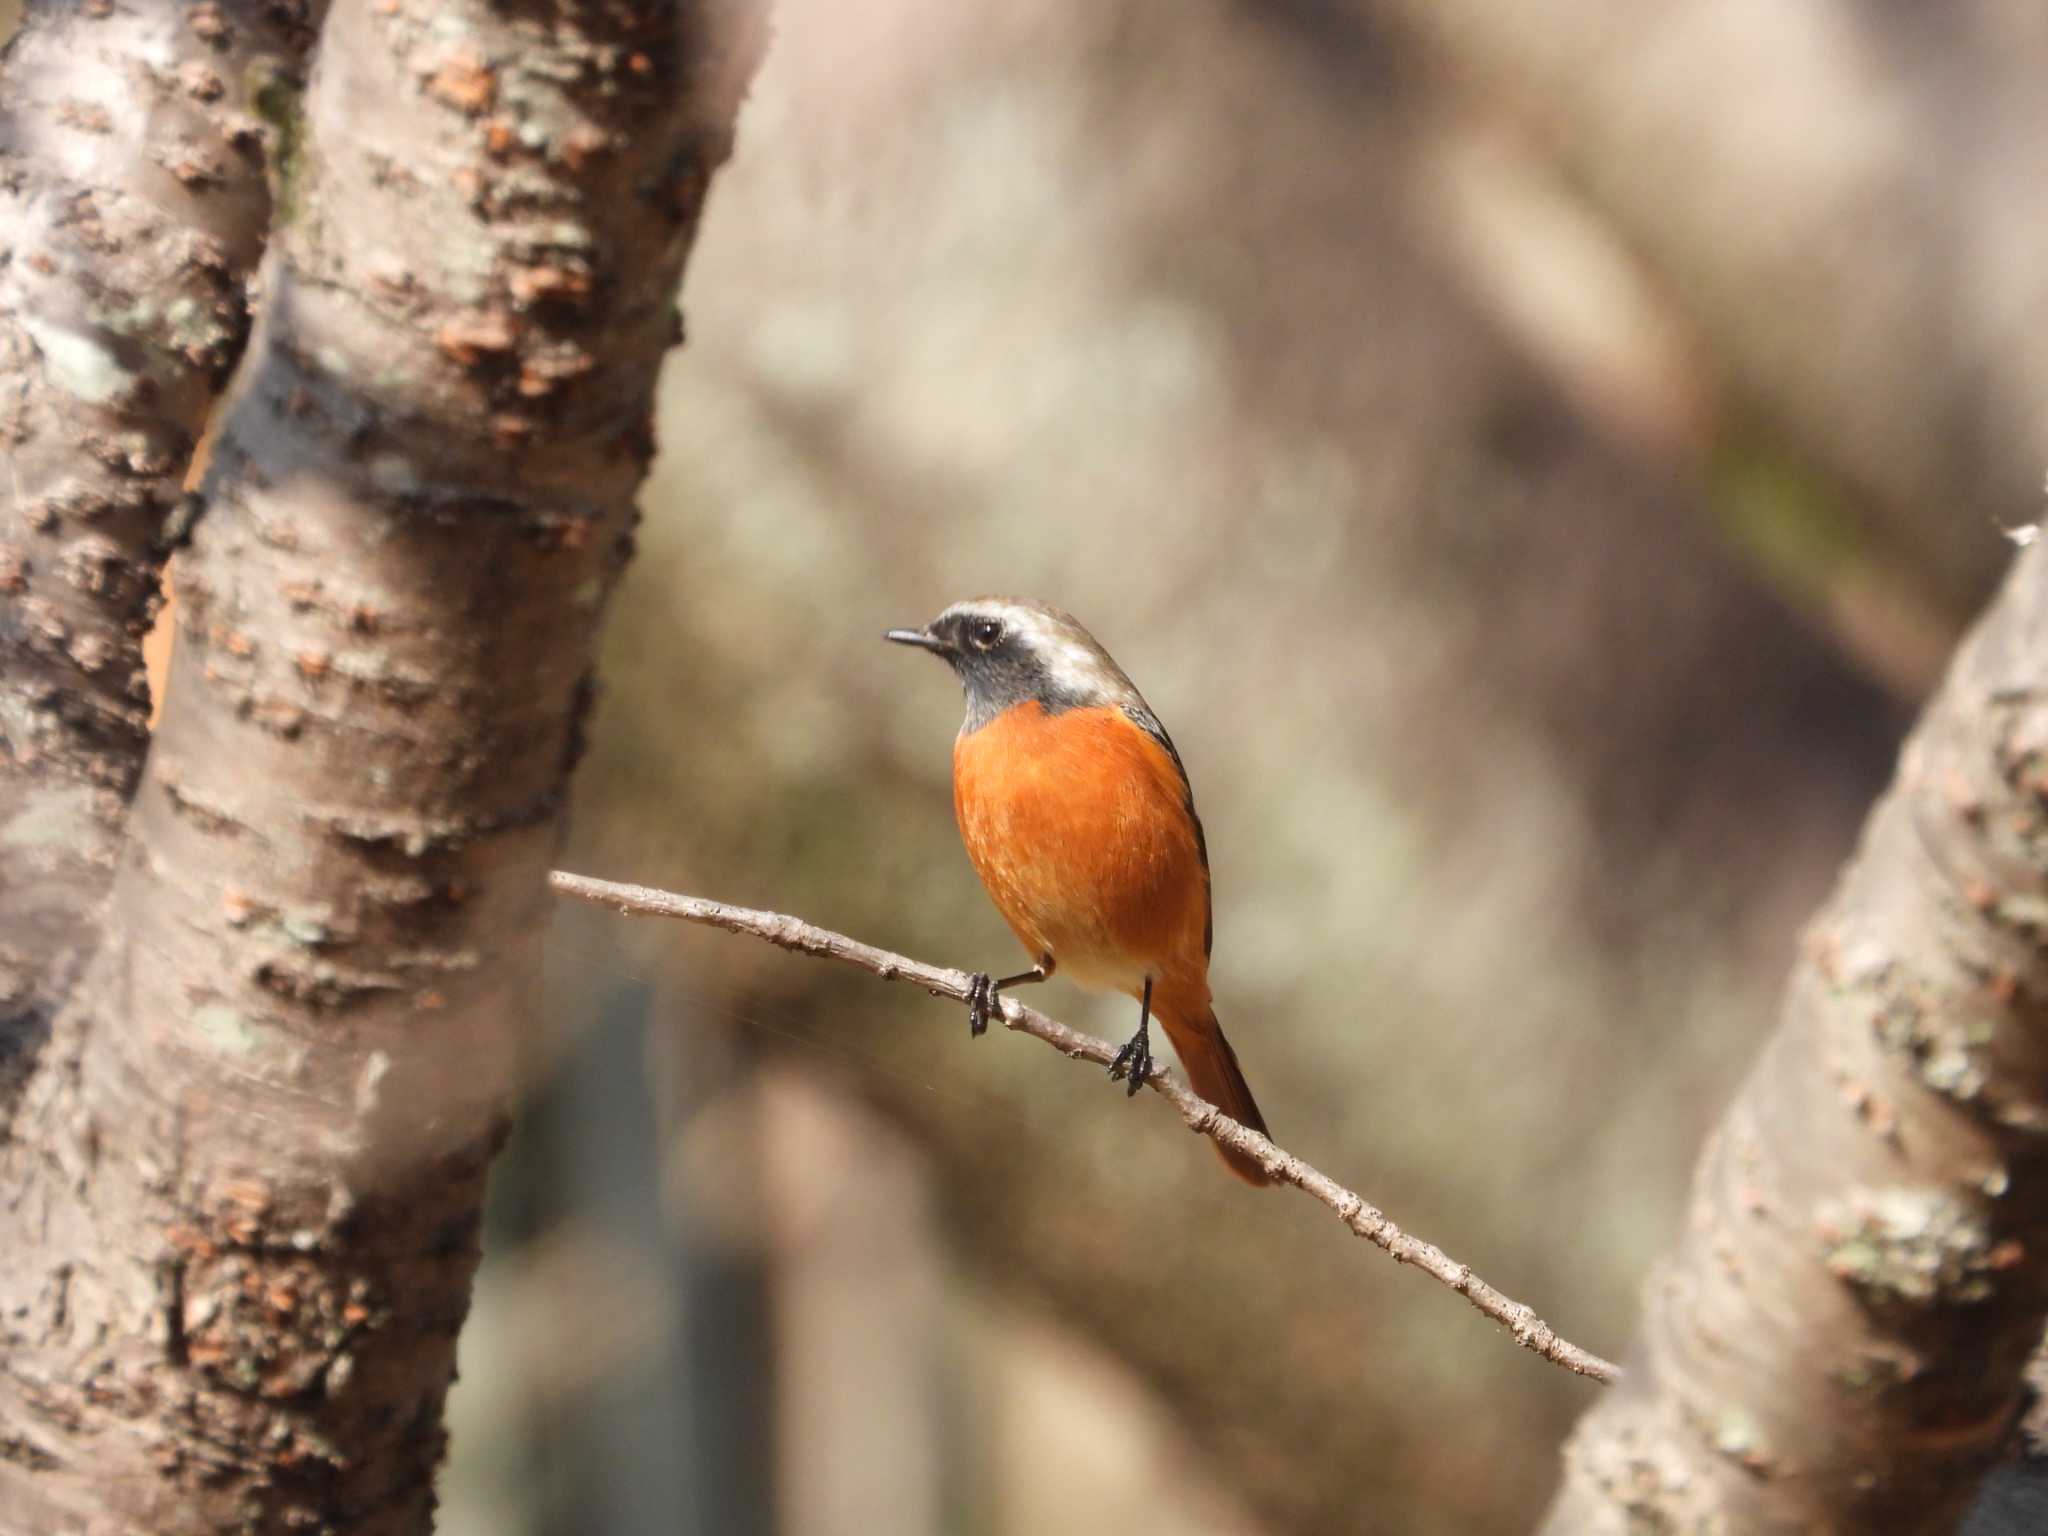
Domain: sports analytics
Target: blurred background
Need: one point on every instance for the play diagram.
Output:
(1535, 458)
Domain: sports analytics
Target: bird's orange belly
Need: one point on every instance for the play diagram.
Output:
(1079, 827)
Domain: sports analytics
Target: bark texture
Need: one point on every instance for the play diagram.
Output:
(133, 204)
(243, 1194)
(1838, 1343)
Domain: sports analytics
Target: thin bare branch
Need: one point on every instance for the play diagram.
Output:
(1202, 1117)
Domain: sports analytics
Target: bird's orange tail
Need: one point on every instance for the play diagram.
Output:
(1213, 1072)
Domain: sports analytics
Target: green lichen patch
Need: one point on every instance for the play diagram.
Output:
(1877, 1368)
(1946, 1040)
(1923, 1247)
(227, 1029)
(1737, 1434)
(79, 364)
(304, 929)
(279, 100)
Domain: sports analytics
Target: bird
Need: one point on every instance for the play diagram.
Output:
(1076, 812)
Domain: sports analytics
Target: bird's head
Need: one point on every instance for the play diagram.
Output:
(1008, 651)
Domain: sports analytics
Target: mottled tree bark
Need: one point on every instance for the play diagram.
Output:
(133, 204)
(243, 1192)
(1839, 1340)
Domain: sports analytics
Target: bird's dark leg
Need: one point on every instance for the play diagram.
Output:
(982, 990)
(1135, 1059)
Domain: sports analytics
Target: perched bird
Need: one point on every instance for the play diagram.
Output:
(1077, 815)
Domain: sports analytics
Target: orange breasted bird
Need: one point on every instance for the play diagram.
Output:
(1077, 815)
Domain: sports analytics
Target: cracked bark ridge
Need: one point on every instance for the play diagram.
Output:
(1838, 1342)
(133, 205)
(244, 1190)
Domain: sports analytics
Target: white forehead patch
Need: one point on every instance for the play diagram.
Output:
(1074, 662)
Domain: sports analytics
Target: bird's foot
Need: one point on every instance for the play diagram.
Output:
(981, 1002)
(1134, 1062)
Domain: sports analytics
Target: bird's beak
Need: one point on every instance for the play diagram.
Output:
(924, 639)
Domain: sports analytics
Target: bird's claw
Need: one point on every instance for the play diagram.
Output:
(1134, 1062)
(981, 1002)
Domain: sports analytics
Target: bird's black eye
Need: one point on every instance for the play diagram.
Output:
(985, 634)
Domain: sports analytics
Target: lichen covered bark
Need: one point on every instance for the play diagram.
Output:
(1839, 1340)
(246, 1184)
(133, 206)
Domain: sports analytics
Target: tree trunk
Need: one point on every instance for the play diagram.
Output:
(133, 205)
(1839, 1341)
(245, 1180)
